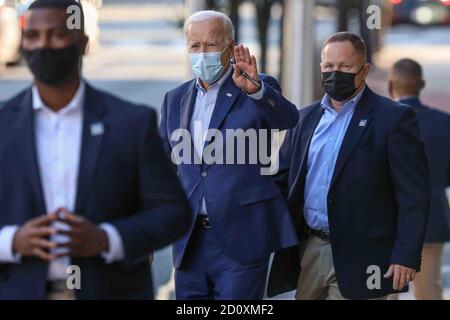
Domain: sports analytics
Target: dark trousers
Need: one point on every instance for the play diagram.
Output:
(207, 273)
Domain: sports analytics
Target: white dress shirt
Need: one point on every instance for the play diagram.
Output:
(205, 103)
(58, 144)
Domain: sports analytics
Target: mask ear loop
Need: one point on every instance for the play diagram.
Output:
(361, 69)
(231, 60)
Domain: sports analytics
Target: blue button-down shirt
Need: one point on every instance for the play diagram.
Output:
(323, 153)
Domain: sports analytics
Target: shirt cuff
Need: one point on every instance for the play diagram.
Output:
(259, 95)
(7, 234)
(116, 251)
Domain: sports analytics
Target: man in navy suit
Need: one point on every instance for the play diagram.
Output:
(86, 189)
(240, 215)
(405, 84)
(358, 187)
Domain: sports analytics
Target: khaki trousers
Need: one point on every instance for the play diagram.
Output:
(428, 284)
(61, 292)
(317, 279)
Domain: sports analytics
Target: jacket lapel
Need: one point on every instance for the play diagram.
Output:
(412, 102)
(226, 98)
(228, 94)
(24, 128)
(306, 132)
(93, 133)
(187, 106)
(356, 128)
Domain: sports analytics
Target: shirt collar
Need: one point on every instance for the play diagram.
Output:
(217, 84)
(326, 102)
(404, 98)
(75, 103)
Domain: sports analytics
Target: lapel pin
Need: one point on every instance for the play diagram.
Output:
(362, 123)
(97, 129)
(229, 95)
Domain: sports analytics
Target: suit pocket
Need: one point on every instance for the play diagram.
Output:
(258, 194)
(382, 231)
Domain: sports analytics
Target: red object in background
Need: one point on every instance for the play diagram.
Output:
(396, 2)
(23, 22)
(445, 2)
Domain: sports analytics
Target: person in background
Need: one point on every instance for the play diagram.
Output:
(240, 215)
(358, 187)
(405, 85)
(84, 179)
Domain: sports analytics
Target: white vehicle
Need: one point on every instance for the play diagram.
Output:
(10, 33)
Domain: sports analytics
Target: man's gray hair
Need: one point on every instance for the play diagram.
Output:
(210, 14)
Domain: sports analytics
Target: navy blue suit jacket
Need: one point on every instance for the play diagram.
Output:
(124, 179)
(248, 214)
(378, 199)
(435, 128)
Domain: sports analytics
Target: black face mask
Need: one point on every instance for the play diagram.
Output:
(339, 85)
(53, 66)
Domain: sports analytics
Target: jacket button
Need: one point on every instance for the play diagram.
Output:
(204, 174)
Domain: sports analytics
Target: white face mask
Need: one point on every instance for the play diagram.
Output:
(207, 65)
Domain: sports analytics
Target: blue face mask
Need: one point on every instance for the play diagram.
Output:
(207, 65)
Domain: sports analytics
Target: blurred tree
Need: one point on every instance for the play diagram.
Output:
(345, 8)
(263, 10)
(263, 15)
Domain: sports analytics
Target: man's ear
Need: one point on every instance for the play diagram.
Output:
(84, 44)
(422, 84)
(367, 68)
(365, 71)
(391, 89)
(232, 45)
(228, 55)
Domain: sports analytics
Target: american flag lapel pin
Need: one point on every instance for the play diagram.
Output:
(97, 129)
(362, 123)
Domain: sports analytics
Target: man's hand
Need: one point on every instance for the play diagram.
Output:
(402, 276)
(32, 239)
(86, 239)
(247, 63)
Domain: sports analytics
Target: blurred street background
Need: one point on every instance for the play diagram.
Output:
(138, 52)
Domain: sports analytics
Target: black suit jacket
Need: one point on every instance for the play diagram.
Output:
(378, 199)
(435, 128)
(124, 178)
